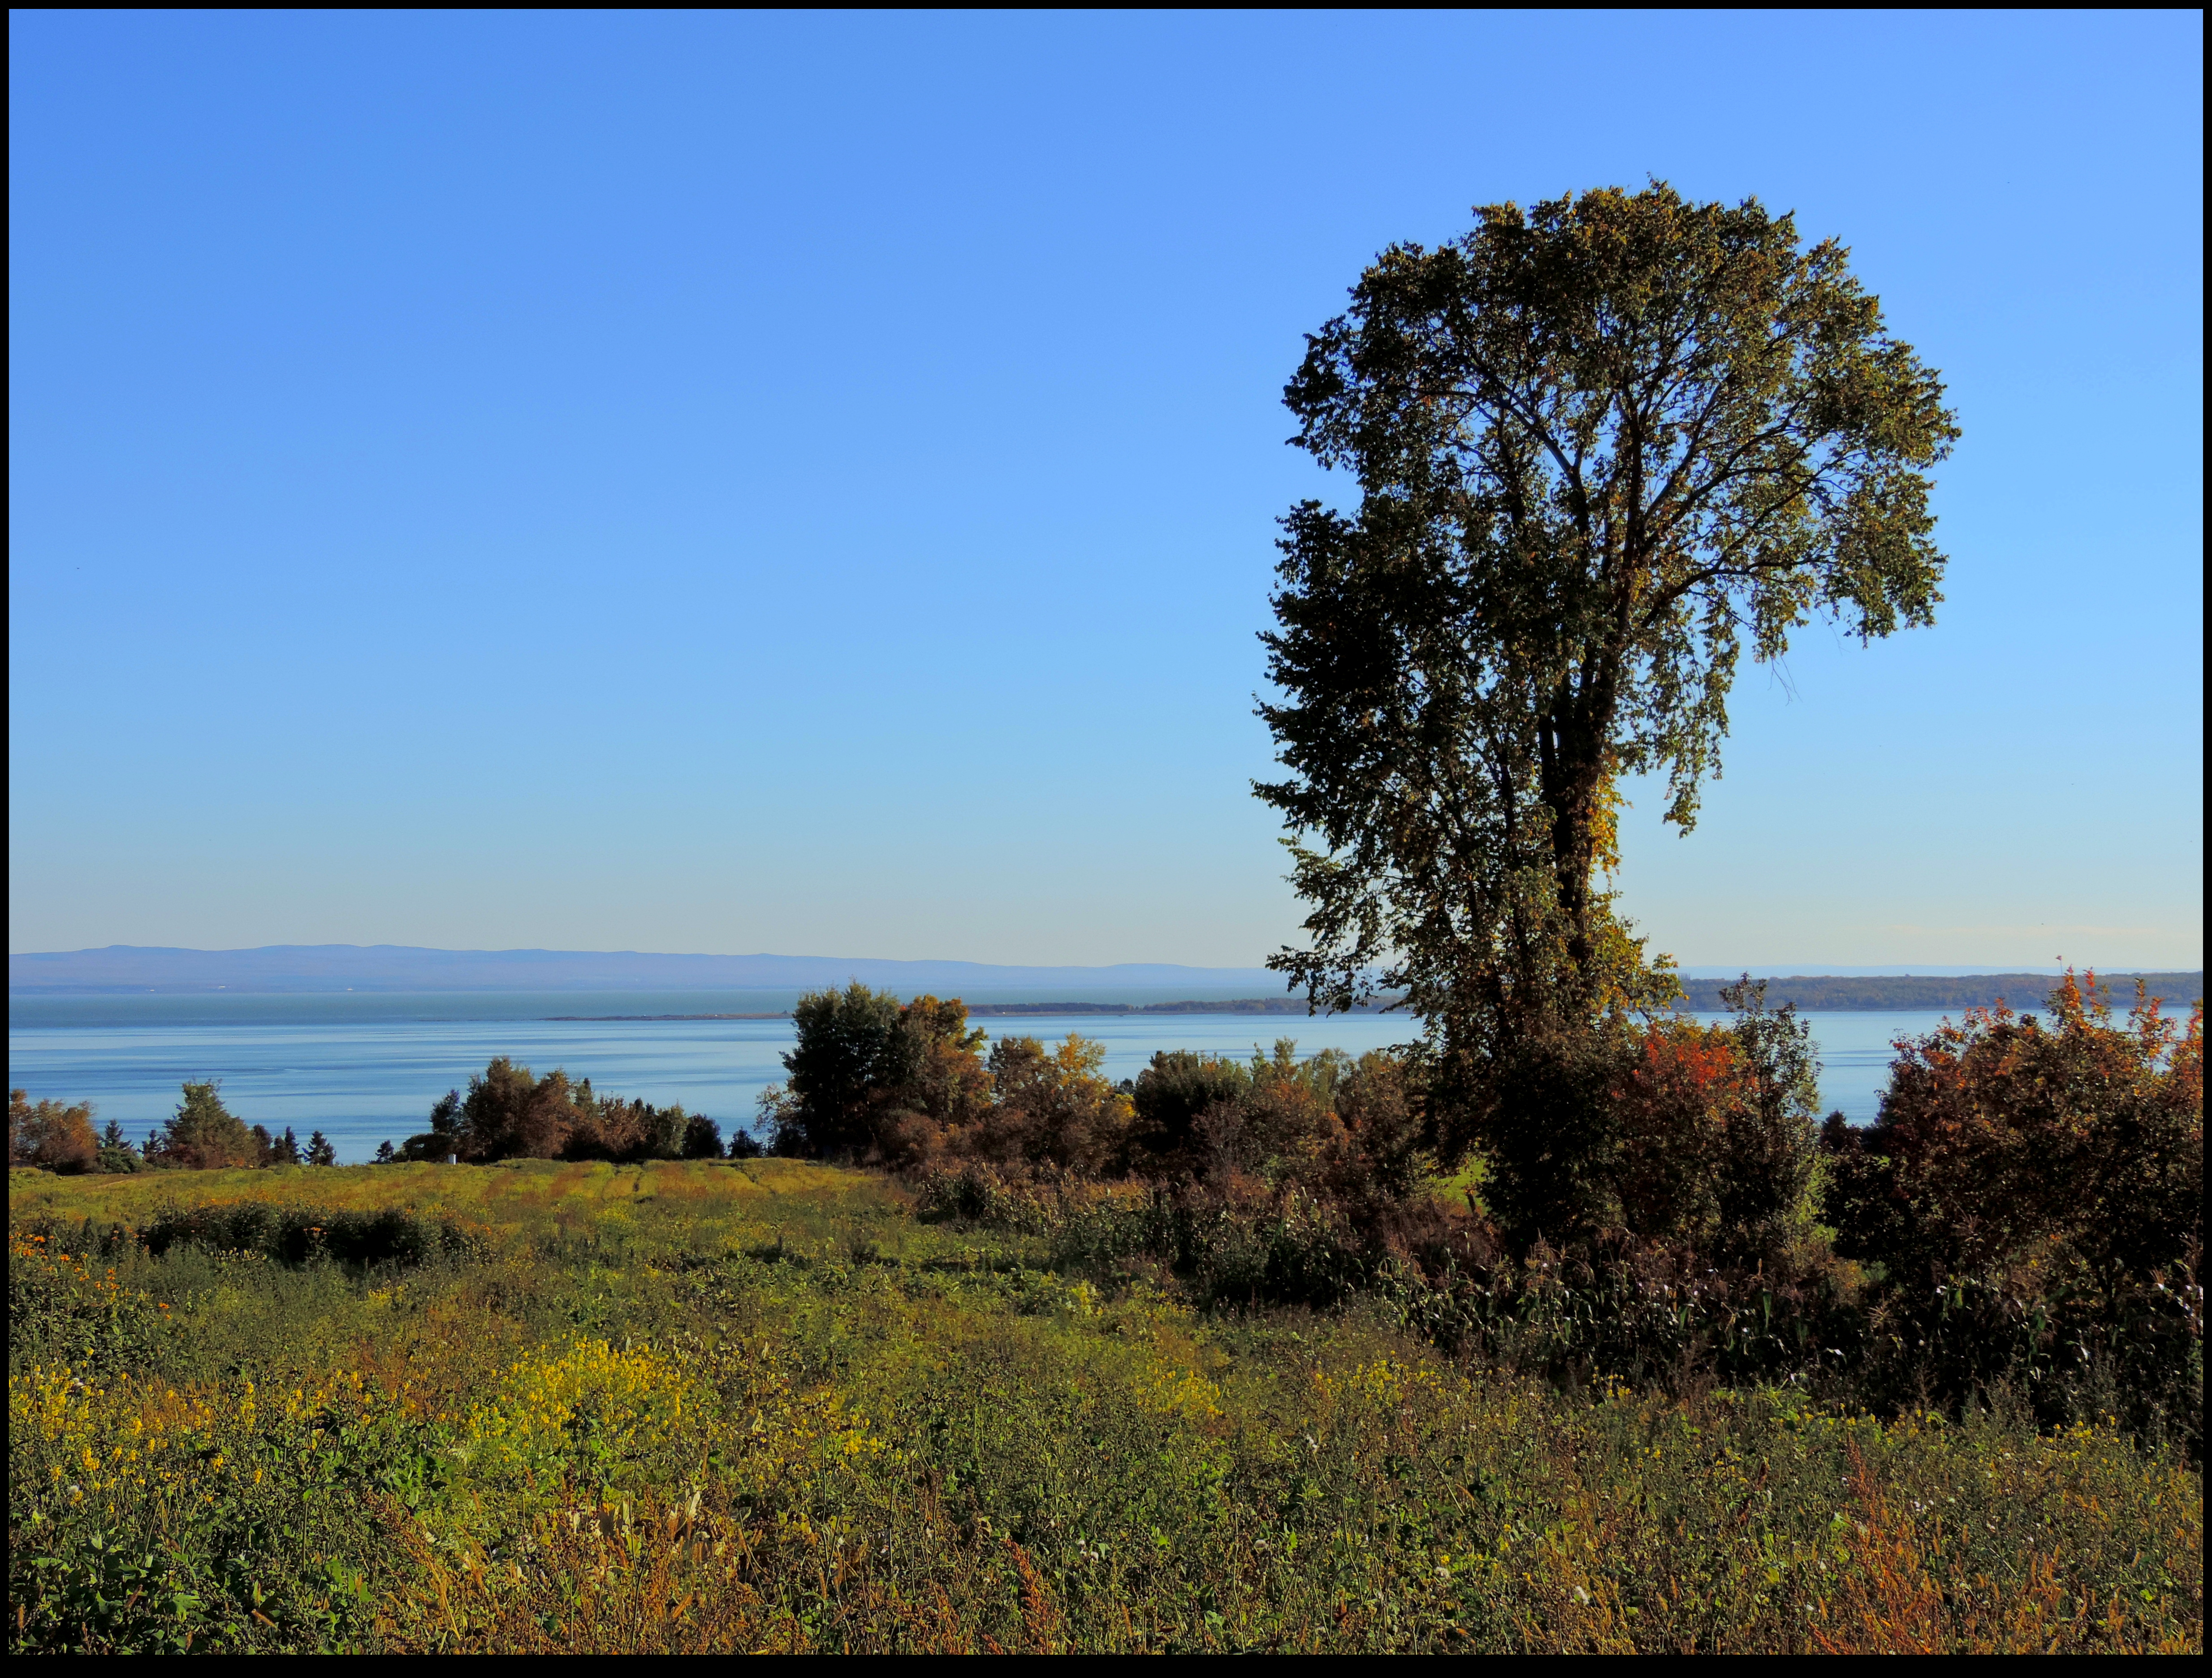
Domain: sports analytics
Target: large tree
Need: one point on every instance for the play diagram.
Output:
(1602, 445)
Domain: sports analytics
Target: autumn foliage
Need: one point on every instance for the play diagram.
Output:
(1660, 1201)
(52, 1135)
(2031, 1204)
(910, 1086)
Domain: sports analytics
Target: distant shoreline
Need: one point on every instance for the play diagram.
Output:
(597, 1019)
(2022, 992)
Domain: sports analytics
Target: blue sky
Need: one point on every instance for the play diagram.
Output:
(807, 483)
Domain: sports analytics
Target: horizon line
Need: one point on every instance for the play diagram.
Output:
(1685, 969)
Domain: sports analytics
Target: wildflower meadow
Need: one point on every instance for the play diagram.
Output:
(771, 1404)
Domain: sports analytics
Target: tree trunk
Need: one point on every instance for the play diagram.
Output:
(1573, 772)
(1571, 862)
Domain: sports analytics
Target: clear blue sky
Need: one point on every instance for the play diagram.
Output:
(807, 483)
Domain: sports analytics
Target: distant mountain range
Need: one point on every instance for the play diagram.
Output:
(395, 967)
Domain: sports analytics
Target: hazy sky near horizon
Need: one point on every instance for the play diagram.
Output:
(807, 482)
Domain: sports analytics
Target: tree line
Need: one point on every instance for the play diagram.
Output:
(1814, 994)
(2025, 1214)
(1819, 994)
(506, 1114)
(510, 1114)
(202, 1134)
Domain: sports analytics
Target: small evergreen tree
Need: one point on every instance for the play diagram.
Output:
(117, 1155)
(204, 1135)
(320, 1150)
(442, 1141)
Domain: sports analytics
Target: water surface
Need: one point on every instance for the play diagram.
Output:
(366, 1069)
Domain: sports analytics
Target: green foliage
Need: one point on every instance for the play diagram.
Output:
(1051, 1107)
(1598, 443)
(712, 1408)
(1546, 1124)
(609, 1127)
(64, 1304)
(510, 1114)
(390, 1236)
(703, 1138)
(275, 1150)
(1771, 1154)
(849, 1055)
(1177, 1090)
(1666, 1132)
(872, 1079)
(205, 1135)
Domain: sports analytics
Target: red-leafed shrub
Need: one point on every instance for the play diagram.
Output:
(1672, 1106)
(2032, 1197)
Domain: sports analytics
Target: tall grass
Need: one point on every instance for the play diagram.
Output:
(766, 1406)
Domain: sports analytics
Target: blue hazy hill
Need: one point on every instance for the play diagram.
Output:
(394, 967)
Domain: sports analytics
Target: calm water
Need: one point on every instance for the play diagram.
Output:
(363, 1069)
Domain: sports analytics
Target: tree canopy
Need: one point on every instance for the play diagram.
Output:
(510, 1113)
(871, 1077)
(203, 1134)
(1602, 445)
(55, 1135)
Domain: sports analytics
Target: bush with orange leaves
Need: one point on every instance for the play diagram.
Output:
(2031, 1205)
(52, 1135)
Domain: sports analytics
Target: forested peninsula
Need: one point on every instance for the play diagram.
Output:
(1811, 994)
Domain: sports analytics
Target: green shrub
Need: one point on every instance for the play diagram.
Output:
(307, 1234)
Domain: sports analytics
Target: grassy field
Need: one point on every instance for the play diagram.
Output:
(761, 1405)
